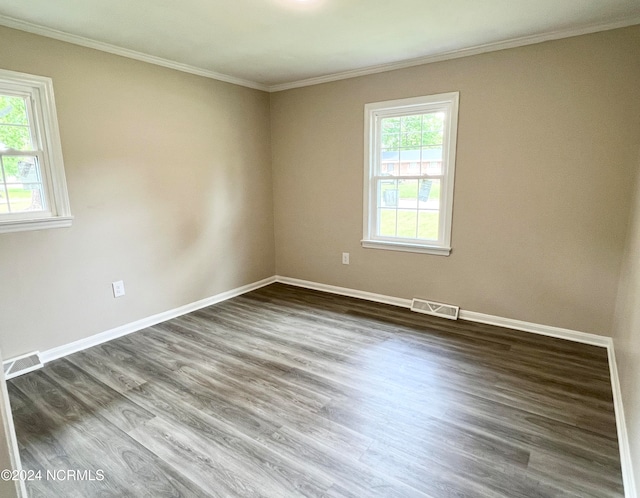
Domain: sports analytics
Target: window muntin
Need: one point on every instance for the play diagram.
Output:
(33, 191)
(409, 172)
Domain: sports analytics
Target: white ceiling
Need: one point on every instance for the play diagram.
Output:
(271, 43)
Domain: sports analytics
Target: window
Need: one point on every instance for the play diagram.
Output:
(33, 192)
(408, 207)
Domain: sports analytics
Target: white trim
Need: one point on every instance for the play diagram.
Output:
(399, 246)
(536, 328)
(459, 53)
(94, 340)
(35, 224)
(53, 150)
(344, 291)
(43, 123)
(10, 436)
(13, 375)
(471, 316)
(13, 23)
(621, 425)
(36, 29)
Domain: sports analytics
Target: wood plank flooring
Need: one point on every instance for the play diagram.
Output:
(289, 392)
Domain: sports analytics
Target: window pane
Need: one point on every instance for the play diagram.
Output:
(429, 194)
(21, 169)
(390, 125)
(390, 132)
(433, 168)
(26, 197)
(387, 222)
(411, 124)
(432, 128)
(432, 153)
(411, 140)
(390, 140)
(407, 223)
(23, 185)
(408, 190)
(388, 162)
(389, 169)
(428, 222)
(388, 193)
(390, 155)
(15, 137)
(411, 145)
(410, 155)
(4, 202)
(9, 168)
(13, 110)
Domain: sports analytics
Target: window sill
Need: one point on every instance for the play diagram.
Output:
(35, 224)
(401, 246)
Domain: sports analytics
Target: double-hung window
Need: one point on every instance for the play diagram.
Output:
(410, 147)
(33, 192)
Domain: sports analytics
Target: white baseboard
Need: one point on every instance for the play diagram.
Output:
(9, 441)
(472, 316)
(621, 425)
(344, 291)
(94, 340)
(536, 328)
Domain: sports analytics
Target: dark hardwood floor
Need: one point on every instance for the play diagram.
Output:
(289, 392)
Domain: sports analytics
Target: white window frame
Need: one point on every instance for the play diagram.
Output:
(374, 112)
(43, 122)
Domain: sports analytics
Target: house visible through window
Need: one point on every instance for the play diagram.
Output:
(409, 173)
(33, 192)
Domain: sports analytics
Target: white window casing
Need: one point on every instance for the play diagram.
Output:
(398, 191)
(45, 152)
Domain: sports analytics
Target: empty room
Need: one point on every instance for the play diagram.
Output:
(320, 248)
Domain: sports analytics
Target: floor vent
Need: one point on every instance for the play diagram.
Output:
(437, 309)
(22, 365)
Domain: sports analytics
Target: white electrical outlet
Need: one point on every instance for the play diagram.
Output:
(118, 288)
(345, 258)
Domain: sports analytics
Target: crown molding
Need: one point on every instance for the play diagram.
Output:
(36, 29)
(13, 23)
(456, 54)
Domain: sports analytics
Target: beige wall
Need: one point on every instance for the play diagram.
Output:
(627, 334)
(170, 183)
(547, 142)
